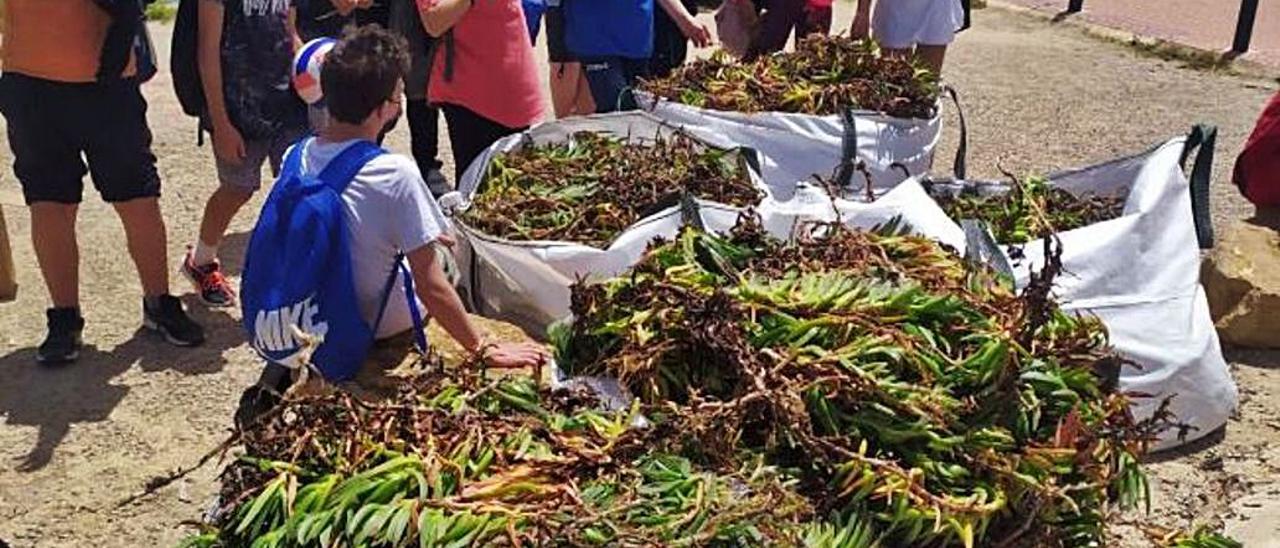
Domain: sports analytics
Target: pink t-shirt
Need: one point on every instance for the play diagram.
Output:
(494, 73)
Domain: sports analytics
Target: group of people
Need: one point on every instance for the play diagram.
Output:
(70, 93)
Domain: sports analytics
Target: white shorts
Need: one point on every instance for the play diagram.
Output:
(903, 24)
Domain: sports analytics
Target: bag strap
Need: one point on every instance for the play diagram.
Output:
(959, 168)
(342, 169)
(848, 150)
(400, 267)
(445, 41)
(293, 160)
(1205, 138)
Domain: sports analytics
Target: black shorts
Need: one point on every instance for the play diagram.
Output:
(557, 52)
(54, 127)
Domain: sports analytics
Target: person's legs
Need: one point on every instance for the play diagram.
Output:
(932, 57)
(424, 140)
(148, 244)
(118, 149)
(470, 134)
(607, 78)
(237, 183)
(817, 20)
(47, 163)
(53, 235)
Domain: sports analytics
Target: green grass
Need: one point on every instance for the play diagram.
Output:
(163, 12)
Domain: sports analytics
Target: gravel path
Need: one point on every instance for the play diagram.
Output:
(74, 441)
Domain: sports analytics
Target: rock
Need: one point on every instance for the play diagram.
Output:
(1242, 279)
(1256, 521)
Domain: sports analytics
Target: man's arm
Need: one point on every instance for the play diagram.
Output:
(438, 16)
(696, 32)
(294, 35)
(227, 143)
(444, 305)
(442, 301)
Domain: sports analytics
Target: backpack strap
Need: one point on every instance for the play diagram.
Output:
(400, 267)
(337, 175)
(293, 160)
(342, 169)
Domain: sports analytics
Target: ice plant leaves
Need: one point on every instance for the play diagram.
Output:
(824, 75)
(1031, 209)
(593, 187)
(906, 392)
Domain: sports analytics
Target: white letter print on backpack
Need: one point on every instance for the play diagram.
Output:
(273, 329)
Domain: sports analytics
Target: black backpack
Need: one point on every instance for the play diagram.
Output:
(184, 62)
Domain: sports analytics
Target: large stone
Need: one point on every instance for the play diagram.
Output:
(1242, 279)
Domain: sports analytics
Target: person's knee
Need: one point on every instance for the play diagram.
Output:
(234, 195)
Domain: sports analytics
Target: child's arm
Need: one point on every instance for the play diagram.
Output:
(696, 32)
(861, 27)
(227, 142)
(443, 304)
(438, 16)
(294, 35)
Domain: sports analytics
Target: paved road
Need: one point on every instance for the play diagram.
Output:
(1205, 24)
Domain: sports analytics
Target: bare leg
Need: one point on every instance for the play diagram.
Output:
(894, 53)
(932, 57)
(218, 212)
(148, 244)
(584, 102)
(53, 234)
(569, 92)
(561, 88)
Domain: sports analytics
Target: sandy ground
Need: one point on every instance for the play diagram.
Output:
(76, 440)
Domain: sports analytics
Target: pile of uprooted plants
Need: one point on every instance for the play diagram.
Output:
(847, 389)
(824, 75)
(1030, 208)
(593, 187)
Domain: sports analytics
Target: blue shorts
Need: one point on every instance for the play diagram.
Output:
(611, 80)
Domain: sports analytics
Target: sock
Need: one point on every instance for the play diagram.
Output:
(204, 254)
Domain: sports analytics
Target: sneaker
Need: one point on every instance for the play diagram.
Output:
(263, 396)
(213, 287)
(62, 345)
(168, 318)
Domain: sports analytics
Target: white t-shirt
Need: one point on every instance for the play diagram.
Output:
(389, 209)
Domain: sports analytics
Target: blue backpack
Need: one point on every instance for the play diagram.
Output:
(297, 271)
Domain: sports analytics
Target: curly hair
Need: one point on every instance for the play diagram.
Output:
(361, 72)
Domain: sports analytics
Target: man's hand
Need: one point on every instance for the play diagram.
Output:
(345, 7)
(515, 355)
(696, 32)
(228, 145)
(447, 240)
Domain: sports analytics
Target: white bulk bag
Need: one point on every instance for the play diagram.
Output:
(1140, 273)
(795, 147)
(527, 283)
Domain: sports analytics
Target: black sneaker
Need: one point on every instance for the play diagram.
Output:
(166, 316)
(62, 345)
(263, 396)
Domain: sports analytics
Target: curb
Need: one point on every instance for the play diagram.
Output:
(1149, 46)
